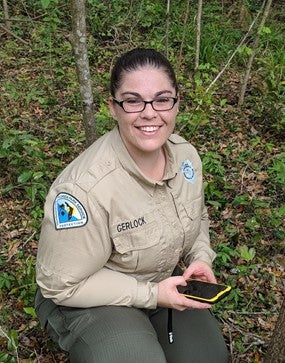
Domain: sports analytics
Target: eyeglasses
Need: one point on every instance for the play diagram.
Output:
(132, 105)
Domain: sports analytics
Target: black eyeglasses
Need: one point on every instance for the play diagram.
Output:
(132, 105)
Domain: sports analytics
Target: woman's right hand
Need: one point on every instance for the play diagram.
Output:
(169, 297)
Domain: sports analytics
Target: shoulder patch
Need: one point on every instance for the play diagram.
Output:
(68, 212)
(176, 139)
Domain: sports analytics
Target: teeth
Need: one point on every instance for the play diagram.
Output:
(149, 128)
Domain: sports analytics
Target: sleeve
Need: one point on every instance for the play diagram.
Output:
(74, 247)
(201, 249)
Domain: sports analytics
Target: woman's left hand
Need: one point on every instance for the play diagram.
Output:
(199, 270)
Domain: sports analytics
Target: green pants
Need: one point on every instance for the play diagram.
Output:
(118, 334)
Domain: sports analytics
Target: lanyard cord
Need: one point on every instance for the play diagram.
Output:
(169, 327)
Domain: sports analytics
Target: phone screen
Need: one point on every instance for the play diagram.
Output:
(205, 291)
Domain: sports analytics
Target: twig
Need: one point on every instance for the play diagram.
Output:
(14, 35)
(28, 239)
(3, 20)
(254, 313)
(242, 177)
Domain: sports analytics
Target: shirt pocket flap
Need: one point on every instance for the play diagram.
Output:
(135, 239)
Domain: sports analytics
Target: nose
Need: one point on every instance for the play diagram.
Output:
(148, 112)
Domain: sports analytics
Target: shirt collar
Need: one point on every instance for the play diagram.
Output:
(131, 167)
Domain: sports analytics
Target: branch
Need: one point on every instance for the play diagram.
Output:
(14, 35)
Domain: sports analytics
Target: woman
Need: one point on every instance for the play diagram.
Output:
(117, 222)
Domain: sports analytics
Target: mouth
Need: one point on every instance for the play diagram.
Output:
(148, 128)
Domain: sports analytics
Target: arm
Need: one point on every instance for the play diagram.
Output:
(70, 261)
(201, 249)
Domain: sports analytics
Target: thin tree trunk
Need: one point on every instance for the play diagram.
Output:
(198, 34)
(254, 48)
(183, 33)
(167, 27)
(6, 14)
(79, 44)
(276, 348)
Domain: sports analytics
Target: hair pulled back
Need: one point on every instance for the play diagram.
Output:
(138, 58)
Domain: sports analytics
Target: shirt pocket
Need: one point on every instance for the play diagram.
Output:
(137, 249)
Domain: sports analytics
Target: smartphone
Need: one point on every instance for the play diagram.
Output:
(204, 291)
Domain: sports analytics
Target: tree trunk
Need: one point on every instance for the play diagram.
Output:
(198, 35)
(167, 28)
(276, 348)
(183, 34)
(6, 14)
(254, 48)
(79, 44)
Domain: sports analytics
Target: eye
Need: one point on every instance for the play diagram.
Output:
(132, 101)
(162, 100)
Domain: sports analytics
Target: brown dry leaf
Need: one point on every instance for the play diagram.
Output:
(264, 324)
(13, 249)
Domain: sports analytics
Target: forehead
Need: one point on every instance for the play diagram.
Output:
(146, 80)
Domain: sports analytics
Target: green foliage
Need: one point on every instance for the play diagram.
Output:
(277, 169)
(241, 150)
(247, 254)
(22, 155)
(12, 345)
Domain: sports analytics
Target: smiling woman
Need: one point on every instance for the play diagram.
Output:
(118, 220)
(146, 114)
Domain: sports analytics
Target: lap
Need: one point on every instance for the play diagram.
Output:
(107, 334)
(124, 334)
(197, 337)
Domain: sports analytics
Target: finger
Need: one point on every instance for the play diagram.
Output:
(192, 304)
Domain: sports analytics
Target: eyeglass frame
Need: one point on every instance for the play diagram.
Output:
(121, 104)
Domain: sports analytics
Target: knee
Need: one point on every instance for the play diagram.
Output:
(127, 348)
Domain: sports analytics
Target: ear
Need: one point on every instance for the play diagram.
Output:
(112, 108)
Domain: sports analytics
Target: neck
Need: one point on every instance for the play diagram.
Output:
(151, 164)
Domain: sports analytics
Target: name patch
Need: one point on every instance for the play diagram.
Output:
(68, 212)
(188, 171)
(134, 223)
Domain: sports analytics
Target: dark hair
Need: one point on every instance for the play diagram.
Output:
(137, 58)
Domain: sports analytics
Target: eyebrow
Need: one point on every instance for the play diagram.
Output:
(138, 95)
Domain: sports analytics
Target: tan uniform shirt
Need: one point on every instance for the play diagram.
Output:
(109, 233)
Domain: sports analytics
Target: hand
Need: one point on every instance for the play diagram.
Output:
(199, 270)
(169, 297)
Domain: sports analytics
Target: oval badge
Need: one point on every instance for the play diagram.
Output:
(188, 171)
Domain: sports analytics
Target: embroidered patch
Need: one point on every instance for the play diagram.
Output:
(188, 171)
(68, 212)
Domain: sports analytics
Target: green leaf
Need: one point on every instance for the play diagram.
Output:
(30, 311)
(24, 177)
(45, 3)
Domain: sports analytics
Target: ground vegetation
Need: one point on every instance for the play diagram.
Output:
(242, 147)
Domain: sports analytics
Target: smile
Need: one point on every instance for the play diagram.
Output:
(149, 128)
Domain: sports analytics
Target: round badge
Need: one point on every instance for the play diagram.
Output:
(188, 171)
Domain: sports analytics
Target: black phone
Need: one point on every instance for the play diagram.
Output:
(204, 291)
